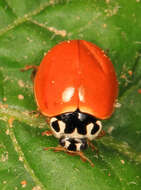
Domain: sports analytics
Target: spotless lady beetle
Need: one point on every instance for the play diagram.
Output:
(75, 86)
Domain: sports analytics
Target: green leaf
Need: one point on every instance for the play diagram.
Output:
(28, 29)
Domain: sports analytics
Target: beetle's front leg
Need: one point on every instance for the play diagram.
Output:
(34, 70)
(92, 146)
(47, 133)
(101, 134)
(72, 153)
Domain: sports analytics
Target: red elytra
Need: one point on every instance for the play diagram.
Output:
(74, 75)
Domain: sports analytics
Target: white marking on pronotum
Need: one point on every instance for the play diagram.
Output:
(89, 128)
(53, 119)
(67, 143)
(99, 123)
(80, 116)
(75, 134)
(67, 94)
(61, 127)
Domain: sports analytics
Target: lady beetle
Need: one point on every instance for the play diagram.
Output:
(75, 86)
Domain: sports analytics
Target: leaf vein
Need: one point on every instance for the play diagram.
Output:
(62, 33)
(21, 155)
(24, 18)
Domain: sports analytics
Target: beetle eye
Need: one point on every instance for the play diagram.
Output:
(62, 141)
(83, 146)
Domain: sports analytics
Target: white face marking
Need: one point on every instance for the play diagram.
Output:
(67, 143)
(67, 94)
(78, 145)
(81, 94)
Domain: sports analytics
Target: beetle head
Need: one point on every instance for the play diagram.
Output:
(73, 144)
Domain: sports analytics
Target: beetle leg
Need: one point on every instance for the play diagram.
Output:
(34, 70)
(47, 133)
(82, 156)
(56, 149)
(28, 67)
(92, 146)
(73, 153)
(101, 134)
(36, 113)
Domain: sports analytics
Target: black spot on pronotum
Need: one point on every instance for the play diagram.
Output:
(78, 121)
(55, 126)
(95, 129)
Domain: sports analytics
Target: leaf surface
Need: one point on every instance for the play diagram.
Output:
(28, 29)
